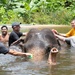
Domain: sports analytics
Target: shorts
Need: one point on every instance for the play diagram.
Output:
(70, 41)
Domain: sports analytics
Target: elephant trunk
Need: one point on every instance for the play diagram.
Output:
(52, 56)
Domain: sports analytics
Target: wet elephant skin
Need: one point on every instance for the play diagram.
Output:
(40, 42)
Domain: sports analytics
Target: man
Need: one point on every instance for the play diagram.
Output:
(69, 37)
(4, 50)
(4, 37)
(15, 34)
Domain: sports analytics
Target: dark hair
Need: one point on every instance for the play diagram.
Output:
(4, 26)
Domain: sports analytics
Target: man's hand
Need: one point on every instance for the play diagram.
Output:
(27, 54)
(55, 31)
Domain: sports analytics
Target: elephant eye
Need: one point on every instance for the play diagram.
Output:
(48, 49)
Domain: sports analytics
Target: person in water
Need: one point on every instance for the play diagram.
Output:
(15, 34)
(5, 50)
(4, 37)
(69, 37)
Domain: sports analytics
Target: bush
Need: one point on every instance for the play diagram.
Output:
(37, 11)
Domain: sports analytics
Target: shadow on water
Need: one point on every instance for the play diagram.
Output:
(10, 65)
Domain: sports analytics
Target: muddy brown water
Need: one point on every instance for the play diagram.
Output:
(11, 65)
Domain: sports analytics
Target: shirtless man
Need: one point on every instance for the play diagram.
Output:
(4, 37)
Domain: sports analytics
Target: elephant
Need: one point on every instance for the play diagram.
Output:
(42, 44)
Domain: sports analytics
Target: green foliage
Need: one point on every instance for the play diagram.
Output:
(37, 11)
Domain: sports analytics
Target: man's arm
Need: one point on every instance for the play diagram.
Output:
(4, 50)
(16, 53)
(57, 33)
(63, 35)
(60, 37)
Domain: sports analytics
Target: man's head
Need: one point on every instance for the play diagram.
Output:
(4, 30)
(73, 23)
(16, 26)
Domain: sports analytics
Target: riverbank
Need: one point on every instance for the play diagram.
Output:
(37, 26)
(26, 27)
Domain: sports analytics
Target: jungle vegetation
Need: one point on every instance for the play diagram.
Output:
(37, 11)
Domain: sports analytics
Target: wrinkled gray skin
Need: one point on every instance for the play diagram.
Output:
(39, 43)
(43, 39)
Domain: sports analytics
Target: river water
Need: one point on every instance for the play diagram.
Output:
(16, 65)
